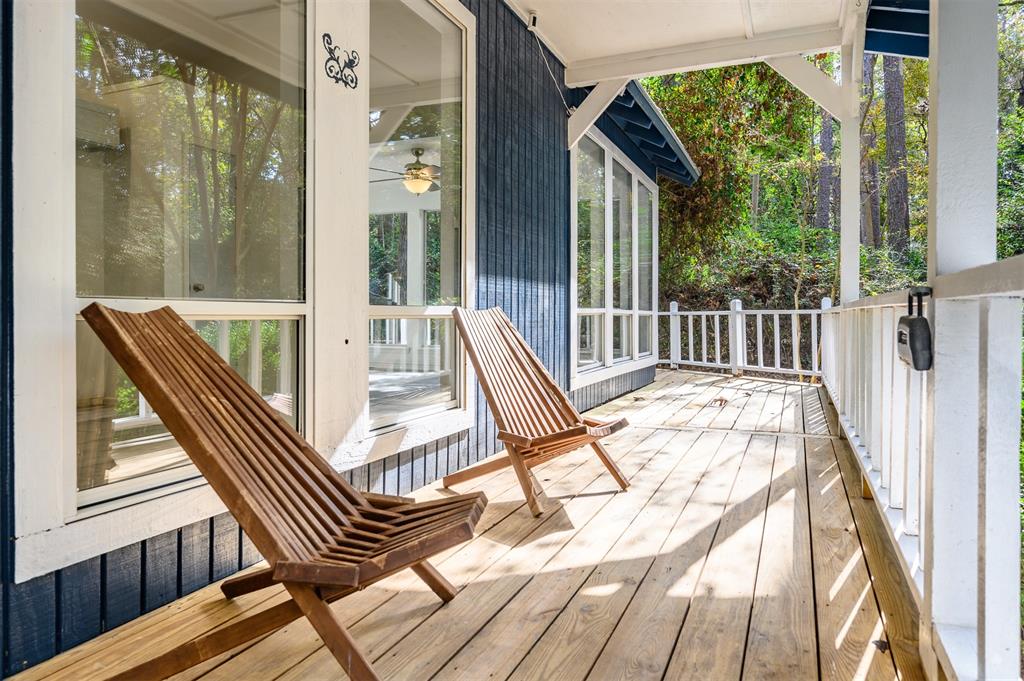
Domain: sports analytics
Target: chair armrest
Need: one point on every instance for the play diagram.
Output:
(601, 429)
(385, 501)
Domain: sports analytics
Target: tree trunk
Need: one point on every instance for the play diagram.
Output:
(755, 199)
(823, 207)
(870, 231)
(897, 201)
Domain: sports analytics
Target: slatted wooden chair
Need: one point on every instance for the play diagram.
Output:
(322, 538)
(536, 421)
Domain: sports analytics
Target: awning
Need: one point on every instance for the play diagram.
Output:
(897, 27)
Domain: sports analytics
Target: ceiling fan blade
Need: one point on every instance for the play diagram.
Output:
(434, 187)
(385, 170)
(387, 179)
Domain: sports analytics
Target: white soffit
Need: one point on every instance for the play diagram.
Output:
(589, 34)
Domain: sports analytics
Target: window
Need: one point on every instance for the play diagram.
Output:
(166, 164)
(416, 246)
(646, 284)
(615, 222)
(189, 180)
(590, 241)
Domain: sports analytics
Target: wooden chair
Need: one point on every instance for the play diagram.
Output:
(322, 538)
(535, 419)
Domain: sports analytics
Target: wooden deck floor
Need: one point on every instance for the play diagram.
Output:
(740, 551)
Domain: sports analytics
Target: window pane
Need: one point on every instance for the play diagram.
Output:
(415, 80)
(121, 439)
(388, 259)
(643, 341)
(413, 368)
(590, 224)
(590, 341)
(622, 238)
(190, 161)
(622, 331)
(645, 247)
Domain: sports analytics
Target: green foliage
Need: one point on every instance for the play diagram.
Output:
(1010, 234)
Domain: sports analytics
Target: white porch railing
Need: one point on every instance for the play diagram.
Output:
(939, 452)
(768, 341)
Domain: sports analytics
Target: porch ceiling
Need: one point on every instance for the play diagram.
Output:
(599, 39)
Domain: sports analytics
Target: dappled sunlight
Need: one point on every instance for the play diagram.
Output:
(712, 565)
(844, 575)
(600, 590)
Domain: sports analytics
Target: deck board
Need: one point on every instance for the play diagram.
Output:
(736, 553)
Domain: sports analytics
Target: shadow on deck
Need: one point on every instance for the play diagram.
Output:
(741, 550)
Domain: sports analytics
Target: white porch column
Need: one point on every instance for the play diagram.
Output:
(849, 174)
(961, 596)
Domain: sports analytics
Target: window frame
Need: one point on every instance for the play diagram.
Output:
(610, 367)
(366, 443)
(50, 530)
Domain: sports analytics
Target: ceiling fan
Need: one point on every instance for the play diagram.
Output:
(419, 177)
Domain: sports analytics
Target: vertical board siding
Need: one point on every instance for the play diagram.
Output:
(597, 394)
(522, 242)
(6, 331)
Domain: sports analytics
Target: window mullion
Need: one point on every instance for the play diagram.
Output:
(609, 304)
(635, 266)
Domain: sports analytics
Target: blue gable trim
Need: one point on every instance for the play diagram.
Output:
(897, 27)
(636, 126)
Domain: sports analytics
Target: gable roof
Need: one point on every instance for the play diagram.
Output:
(640, 119)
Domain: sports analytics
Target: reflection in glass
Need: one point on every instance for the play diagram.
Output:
(590, 339)
(643, 340)
(388, 259)
(415, 160)
(121, 439)
(645, 248)
(590, 224)
(189, 168)
(622, 238)
(413, 368)
(622, 328)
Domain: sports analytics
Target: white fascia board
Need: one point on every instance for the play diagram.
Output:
(696, 56)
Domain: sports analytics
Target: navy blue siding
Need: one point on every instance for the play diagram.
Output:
(522, 237)
(596, 394)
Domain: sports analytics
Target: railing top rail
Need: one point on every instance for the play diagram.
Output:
(1001, 278)
(682, 311)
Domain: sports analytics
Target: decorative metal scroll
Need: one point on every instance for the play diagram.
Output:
(338, 69)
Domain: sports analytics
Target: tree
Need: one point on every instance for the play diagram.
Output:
(823, 205)
(871, 214)
(897, 200)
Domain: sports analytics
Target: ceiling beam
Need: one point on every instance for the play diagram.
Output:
(603, 94)
(748, 18)
(813, 82)
(696, 56)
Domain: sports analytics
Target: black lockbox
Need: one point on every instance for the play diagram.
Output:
(914, 333)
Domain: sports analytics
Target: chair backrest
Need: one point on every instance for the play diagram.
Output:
(285, 496)
(523, 396)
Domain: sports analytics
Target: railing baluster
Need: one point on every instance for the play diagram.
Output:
(689, 334)
(887, 337)
(760, 342)
(794, 335)
(704, 338)
(778, 342)
(814, 317)
(718, 338)
(673, 334)
(898, 426)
